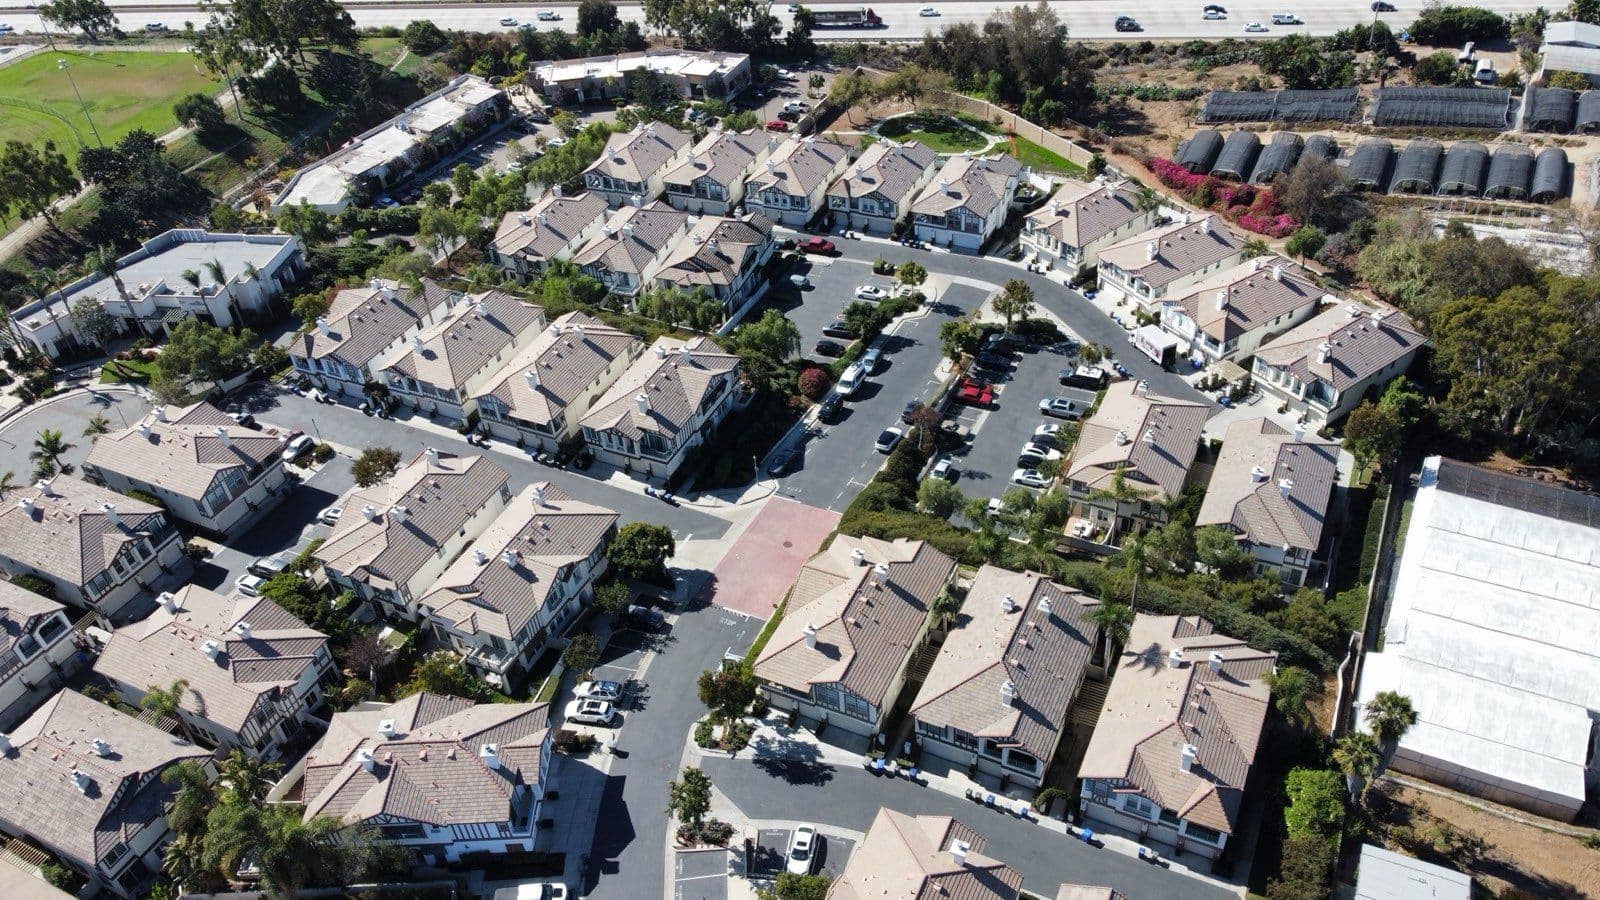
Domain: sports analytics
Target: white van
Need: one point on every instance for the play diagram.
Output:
(853, 378)
(1485, 73)
(1467, 54)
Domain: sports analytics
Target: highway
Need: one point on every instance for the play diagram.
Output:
(1085, 19)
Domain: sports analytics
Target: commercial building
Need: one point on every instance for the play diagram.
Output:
(222, 279)
(725, 258)
(440, 368)
(710, 179)
(38, 651)
(556, 226)
(630, 168)
(363, 329)
(1386, 875)
(1068, 232)
(697, 75)
(1232, 312)
(1326, 366)
(1148, 267)
(967, 201)
(791, 186)
(857, 613)
(904, 857)
(876, 192)
(632, 246)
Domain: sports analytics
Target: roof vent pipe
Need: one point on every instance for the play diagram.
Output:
(110, 510)
(169, 601)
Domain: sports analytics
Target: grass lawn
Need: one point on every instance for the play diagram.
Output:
(137, 372)
(943, 133)
(1035, 156)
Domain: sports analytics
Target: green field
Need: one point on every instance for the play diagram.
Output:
(942, 133)
(1030, 154)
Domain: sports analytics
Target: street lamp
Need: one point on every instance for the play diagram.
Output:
(62, 65)
(46, 23)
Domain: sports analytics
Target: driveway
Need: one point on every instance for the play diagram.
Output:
(291, 523)
(121, 408)
(700, 875)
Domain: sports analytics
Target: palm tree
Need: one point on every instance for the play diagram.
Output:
(97, 425)
(168, 703)
(183, 860)
(215, 270)
(103, 259)
(1292, 690)
(1115, 621)
(48, 447)
(288, 852)
(1390, 716)
(193, 800)
(193, 277)
(945, 608)
(1358, 757)
(8, 483)
(1148, 198)
(248, 779)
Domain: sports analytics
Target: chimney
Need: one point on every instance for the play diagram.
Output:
(811, 636)
(110, 510)
(944, 186)
(1008, 605)
(242, 629)
(543, 219)
(1300, 431)
(322, 326)
(161, 414)
(1277, 273)
(433, 456)
(374, 285)
(480, 557)
(26, 505)
(144, 429)
(858, 556)
(538, 495)
(169, 601)
(577, 331)
(661, 351)
(210, 649)
(958, 852)
(1044, 607)
(1186, 758)
(222, 435)
(1255, 264)
(489, 754)
(1285, 485)
(416, 343)
(880, 571)
(524, 219)
(398, 514)
(386, 728)
(1151, 251)
(1324, 350)
(1215, 661)
(642, 401)
(627, 230)
(1205, 225)
(1257, 474)
(102, 747)
(772, 166)
(1175, 658)
(1377, 317)
(45, 486)
(364, 756)
(81, 779)
(1222, 300)
(685, 355)
(1122, 438)
(511, 557)
(638, 201)
(1008, 692)
(533, 377)
(556, 190)
(1150, 437)
(370, 512)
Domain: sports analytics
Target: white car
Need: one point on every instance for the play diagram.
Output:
(795, 106)
(1255, 28)
(1048, 432)
(870, 292)
(944, 470)
(298, 447)
(249, 585)
(927, 11)
(549, 15)
(508, 20)
(268, 566)
(6, 29)
(802, 851)
(556, 141)
(609, 691)
(1213, 15)
(1286, 19)
(155, 27)
(995, 506)
(1040, 450)
(800, 281)
(591, 712)
(786, 75)
(330, 516)
(1029, 478)
(889, 439)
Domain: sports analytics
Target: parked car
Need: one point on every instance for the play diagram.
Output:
(1062, 407)
(591, 712)
(802, 858)
(994, 360)
(1088, 377)
(557, 141)
(539, 115)
(828, 348)
(870, 359)
(643, 617)
(888, 439)
(871, 292)
(1029, 478)
(944, 470)
(975, 393)
(911, 410)
(249, 585)
(1032, 454)
(331, 515)
(798, 107)
(1127, 23)
(610, 691)
(829, 409)
(298, 447)
(777, 125)
(839, 328)
(268, 566)
(245, 420)
(782, 462)
(1049, 434)
(816, 245)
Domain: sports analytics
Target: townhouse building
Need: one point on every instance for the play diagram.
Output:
(875, 192)
(966, 202)
(710, 179)
(631, 167)
(905, 857)
(1230, 313)
(38, 651)
(1082, 218)
(363, 329)
(553, 229)
(441, 367)
(790, 188)
(1148, 266)
(1326, 366)
(632, 246)
(725, 258)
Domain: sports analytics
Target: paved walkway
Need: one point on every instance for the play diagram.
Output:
(757, 570)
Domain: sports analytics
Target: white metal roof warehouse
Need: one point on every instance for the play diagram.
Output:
(1494, 634)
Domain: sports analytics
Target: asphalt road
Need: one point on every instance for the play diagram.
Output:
(289, 524)
(850, 798)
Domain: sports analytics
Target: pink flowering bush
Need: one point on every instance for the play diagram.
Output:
(1255, 209)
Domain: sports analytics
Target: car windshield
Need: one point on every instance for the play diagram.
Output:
(800, 853)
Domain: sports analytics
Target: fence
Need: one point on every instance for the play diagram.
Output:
(1019, 126)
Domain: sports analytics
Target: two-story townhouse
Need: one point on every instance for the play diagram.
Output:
(103, 552)
(725, 258)
(904, 857)
(1234, 311)
(710, 179)
(1080, 219)
(858, 612)
(632, 246)
(669, 401)
(364, 328)
(396, 537)
(630, 168)
(251, 673)
(876, 192)
(1272, 489)
(791, 186)
(83, 781)
(38, 651)
(1132, 456)
(967, 201)
(203, 467)
(1172, 751)
(443, 366)
(539, 398)
(999, 693)
(552, 229)
(1148, 266)
(1325, 367)
(436, 774)
(522, 582)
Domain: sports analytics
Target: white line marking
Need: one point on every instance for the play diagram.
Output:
(700, 877)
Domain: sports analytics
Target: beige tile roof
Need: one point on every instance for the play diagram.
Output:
(432, 770)
(438, 496)
(907, 857)
(548, 531)
(67, 532)
(552, 225)
(363, 321)
(1153, 709)
(1362, 340)
(798, 166)
(674, 385)
(866, 623)
(1271, 487)
(448, 352)
(1088, 892)
(886, 170)
(247, 671)
(631, 238)
(721, 157)
(38, 793)
(183, 450)
(1248, 296)
(1041, 654)
(638, 154)
(716, 251)
(1083, 212)
(19, 611)
(567, 358)
(1180, 250)
(1152, 438)
(981, 184)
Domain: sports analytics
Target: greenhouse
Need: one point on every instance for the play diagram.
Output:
(1465, 164)
(1417, 168)
(1510, 173)
(1238, 156)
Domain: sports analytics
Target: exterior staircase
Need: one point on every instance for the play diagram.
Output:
(1091, 699)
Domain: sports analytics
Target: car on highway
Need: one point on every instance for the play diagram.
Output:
(839, 328)
(1213, 15)
(508, 21)
(155, 27)
(828, 348)
(610, 691)
(549, 15)
(298, 447)
(1286, 19)
(888, 439)
(777, 125)
(871, 292)
(944, 470)
(802, 856)
(975, 393)
(1029, 478)
(1382, 6)
(6, 28)
(249, 585)
(1062, 407)
(928, 12)
(1255, 28)
(330, 515)
(1127, 23)
(816, 245)
(590, 711)
(829, 409)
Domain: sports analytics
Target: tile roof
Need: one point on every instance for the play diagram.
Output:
(567, 358)
(227, 690)
(981, 184)
(551, 226)
(887, 170)
(1180, 249)
(38, 795)
(67, 532)
(632, 237)
(1362, 341)
(1082, 212)
(716, 251)
(448, 352)
(438, 492)
(866, 623)
(673, 382)
(432, 769)
(1240, 299)
(548, 531)
(1153, 709)
(183, 450)
(640, 153)
(362, 322)
(1271, 486)
(907, 857)
(1088, 892)
(19, 610)
(1041, 654)
(721, 157)
(798, 166)
(1152, 438)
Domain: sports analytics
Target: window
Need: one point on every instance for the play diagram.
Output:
(1022, 761)
(27, 647)
(114, 855)
(1202, 833)
(857, 707)
(826, 695)
(989, 749)
(1170, 818)
(928, 729)
(1098, 791)
(1139, 806)
(963, 739)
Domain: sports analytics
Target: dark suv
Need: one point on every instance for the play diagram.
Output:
(1127, 23)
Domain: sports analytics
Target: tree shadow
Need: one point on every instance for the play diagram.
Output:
(793, 761)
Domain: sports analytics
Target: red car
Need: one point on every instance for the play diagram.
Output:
(777, 125)
(816, 245)
(975, 393)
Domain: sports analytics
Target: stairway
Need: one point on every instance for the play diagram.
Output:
(1091, 699)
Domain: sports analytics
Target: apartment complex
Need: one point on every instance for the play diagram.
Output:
(1326, 366)
(876, 192)
(697, 75)
(1132, 456)
(1080, 219)
(967, 201)
(440, 368)
(363, 329)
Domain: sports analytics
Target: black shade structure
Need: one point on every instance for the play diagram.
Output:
(1337, 105)
(1369, 164)
(1200, 152)
(1429, 107)
(1465, 165)
(1278, 157)
(1550, 109)
(1322, 145)
(1510, 173)
(1238, 156)
(1549, 175)
(1588, 118)
(1416, 171)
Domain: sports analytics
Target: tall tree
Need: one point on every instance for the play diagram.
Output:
(1115, 621)
(168, 703)
(1293, 689)
(1015, 301)
(246, 778)
(1360, 759)
(32, 177)
(90, 319)
(689, 798)
(93, 17)
(374, 465)
(193, 799)
(1372, 433)
(49, 447)
(598, 17)
(641, 550)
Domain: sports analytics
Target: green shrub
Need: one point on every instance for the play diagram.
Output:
(35, 584)
(322, 453)
(702, 733)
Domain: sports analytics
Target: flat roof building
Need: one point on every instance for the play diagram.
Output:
(1386, 875)
(694, 74)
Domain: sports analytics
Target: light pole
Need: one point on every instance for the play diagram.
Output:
(62, 65)
(46, 23)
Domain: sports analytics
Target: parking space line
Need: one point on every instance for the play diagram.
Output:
(698, 877)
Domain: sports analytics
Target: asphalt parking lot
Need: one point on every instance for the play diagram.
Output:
(772, 850)
(700, 875)
(291, 523)
(623, 661)
(833, 287)
(999, 432)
